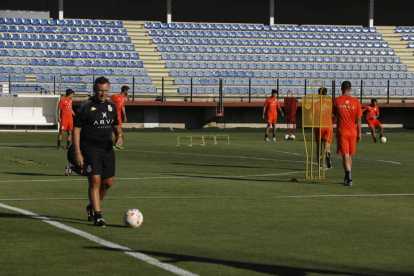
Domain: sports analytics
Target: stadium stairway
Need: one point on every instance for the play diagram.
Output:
(149, 55)
(395, 42)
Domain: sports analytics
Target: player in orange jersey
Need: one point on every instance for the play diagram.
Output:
(119, 101)
(372, 118)
(271, 105)
(347, 111)
(65, 118)
(326, 133)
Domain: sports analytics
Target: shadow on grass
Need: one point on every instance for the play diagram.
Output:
(30, 147)
(55, 218)
(251, 179)
(216, 165)
(224, 178)
(34, 174)
(39, 217)
(261, 268)
(290, 169)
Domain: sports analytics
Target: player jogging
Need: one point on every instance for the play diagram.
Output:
(65, 118)
(326, 133)
(347, 111)
(372, 119)
(94, 122)
(270, 106)
(119, 101)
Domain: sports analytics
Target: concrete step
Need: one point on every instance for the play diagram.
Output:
(145, 49)
(148, 53)
(400, 48)
(143, 45)
(399, 42)
(137, 34)
(167, 83)
(154, 63)
(409, 59)
(404, 54)
(149, 65)
(158, 74)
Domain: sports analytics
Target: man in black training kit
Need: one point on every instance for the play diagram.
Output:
(94, 122)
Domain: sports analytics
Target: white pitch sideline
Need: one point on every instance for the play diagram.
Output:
(126, 250)
(205, 197)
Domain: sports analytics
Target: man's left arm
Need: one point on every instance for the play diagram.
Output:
(117, 129)
(280, 110)
(358, 122)
(124, 114)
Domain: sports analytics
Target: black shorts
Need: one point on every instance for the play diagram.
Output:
(99, 162)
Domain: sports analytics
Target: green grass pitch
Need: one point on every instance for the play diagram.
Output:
(212, 210)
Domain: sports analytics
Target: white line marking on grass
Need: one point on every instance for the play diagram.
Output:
(126, 250)
(375, 160)
(121, 198)
(217, 155)
(206, 197)
(259, 149)
(256, 158)
(366, 195)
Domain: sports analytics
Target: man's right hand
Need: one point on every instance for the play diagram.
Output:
(79, 160)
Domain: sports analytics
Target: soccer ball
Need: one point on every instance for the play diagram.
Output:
(292, 137)
(383, 140)
(287, 137)
(133, 218)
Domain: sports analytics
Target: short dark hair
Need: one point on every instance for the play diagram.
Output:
(69, 91)
(274, 91)
(373, 100)
(323, 91)
(345, 86)
(124, 88)
(100, 80)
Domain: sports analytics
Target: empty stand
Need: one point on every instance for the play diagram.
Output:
(292, 54)
(36, 52)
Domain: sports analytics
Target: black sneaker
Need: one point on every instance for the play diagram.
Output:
(348, 182)
(328, 161)
(100, 222)
(375, 140)
(90, 213)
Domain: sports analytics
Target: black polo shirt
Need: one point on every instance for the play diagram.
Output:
(97, 121)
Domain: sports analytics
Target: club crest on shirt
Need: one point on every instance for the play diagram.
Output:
(109, 108)
(93, 108)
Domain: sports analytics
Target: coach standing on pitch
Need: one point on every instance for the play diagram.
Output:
(94, 122)
(347, 111)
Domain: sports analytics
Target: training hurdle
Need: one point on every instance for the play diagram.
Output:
(316, 114)
(203, 139)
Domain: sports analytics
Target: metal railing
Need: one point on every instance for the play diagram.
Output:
(163, 88)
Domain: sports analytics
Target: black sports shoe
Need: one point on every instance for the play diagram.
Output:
(100, 222)
(90, 213)
(328, 160)
(375, 140)
(347, 182)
